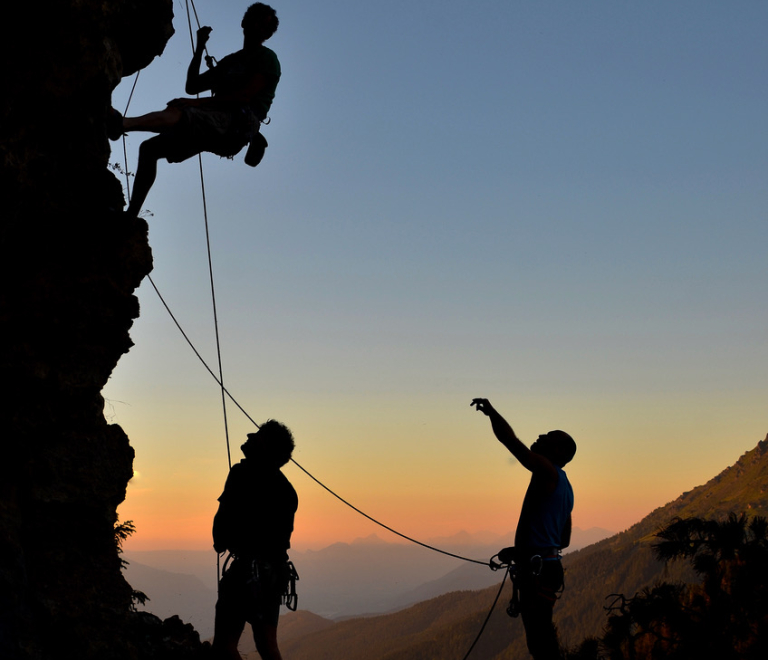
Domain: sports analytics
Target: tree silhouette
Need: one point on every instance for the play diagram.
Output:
(724, 617)
(122, 532)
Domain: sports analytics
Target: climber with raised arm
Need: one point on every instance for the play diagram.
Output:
(243, 86)
(543, 530)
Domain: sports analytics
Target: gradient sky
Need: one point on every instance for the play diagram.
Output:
(560, 206)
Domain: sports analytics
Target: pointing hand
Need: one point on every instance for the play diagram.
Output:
(483, 405)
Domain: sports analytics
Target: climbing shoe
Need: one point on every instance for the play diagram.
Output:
(256, 149)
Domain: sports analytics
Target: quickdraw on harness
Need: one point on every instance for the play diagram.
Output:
(524, 567)
(290, 597)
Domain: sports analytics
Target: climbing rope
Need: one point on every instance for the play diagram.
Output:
(488, 618)
(210, 260)
(304, 470)
(125, 150)
(215, 314)
(209, 59)
(492, 564)
(387, 527)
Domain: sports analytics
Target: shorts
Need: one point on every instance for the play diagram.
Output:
(222, 132)
(541, 587)
(538, 582)
(252, 592)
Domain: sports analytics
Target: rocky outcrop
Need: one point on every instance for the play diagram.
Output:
(70, 265)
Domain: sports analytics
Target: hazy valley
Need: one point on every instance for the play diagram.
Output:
(367, 576)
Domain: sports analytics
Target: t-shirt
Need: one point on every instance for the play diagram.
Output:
(544, 515)
(234, 71)
(256, 513)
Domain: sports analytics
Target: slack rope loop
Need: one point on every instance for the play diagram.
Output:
(305, 471)
(199, 357)
(387, 527)
(488, 618)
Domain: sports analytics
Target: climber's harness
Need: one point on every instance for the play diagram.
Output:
(261, 575)
(526, 568)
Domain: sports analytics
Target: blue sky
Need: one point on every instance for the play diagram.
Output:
(557, 205)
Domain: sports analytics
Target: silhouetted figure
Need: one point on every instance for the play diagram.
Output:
(543, 530)
(243, 85)
(254, 522)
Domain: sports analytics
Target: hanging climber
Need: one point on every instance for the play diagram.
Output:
(254, 523)
(243, 86)
(543, 530)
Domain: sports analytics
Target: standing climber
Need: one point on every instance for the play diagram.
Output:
(543, 530)
(243, 86)
(254, 523)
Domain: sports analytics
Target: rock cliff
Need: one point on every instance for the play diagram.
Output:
(70, 265)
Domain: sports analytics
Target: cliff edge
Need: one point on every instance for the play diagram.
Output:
(70, 265)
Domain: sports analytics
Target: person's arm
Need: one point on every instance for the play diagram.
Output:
(504, 433)
(198, 82)
(220, 528)
(225, 520)
(506, 436)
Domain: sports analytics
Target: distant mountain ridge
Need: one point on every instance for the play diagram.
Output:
(444, 627)
(364, 577)
(182, 595)
(370, 576)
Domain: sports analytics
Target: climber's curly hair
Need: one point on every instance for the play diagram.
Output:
(261, 18)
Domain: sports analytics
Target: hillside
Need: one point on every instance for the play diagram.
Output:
(624, 563)
(443, 628)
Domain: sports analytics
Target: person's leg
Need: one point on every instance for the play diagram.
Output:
(154, 122)
(265, 622)
(540, 632)
(150, 152)
(537, 600)
(229, 622)
(225, 644)
(265, 636)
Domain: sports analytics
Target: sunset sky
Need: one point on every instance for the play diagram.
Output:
(560, 206)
